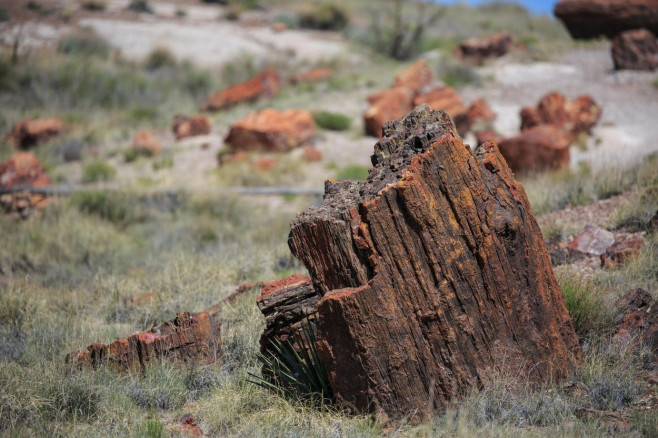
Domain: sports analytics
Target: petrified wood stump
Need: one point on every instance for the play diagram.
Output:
(433, 274)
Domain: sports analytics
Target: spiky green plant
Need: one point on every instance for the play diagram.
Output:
(293, 368)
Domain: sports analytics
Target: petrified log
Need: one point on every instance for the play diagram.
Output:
(433, 274)
(574, 115)
(542, 147)
(265, 84)
(189, 338)
(286, 305)
(593, 18)
(635, 50)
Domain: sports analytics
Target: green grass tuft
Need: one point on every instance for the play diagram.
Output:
(97, 171)
(353, 172)
(332, 121)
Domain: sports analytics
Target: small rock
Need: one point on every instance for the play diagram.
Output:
(624, 249)
(476, 50)
(311, 154)
(264, 164)
(186, 426)
(592, 241)
(315, 75)
(22, 169)
(144, 143)
(264, 85)
(635, 50)
(270, 130)
(30, 132)
(279, 27)
(190, 126)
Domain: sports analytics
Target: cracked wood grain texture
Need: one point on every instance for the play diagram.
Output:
(433, 275)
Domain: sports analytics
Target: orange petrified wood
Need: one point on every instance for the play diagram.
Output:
(433, 274)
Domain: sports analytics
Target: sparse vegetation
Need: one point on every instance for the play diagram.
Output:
(141, 6)
(332, 121)
(326, 16)
(94, 5)
(97, 171)
(84, 44)
(353, 172)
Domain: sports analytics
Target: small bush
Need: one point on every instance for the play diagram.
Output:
(353, 172)
(332, 121)
(111, 206)
(160, 58)
(327, 16)
(84, 44)
(163, 163)
(140, 6)
(94, 5)
(97, 171)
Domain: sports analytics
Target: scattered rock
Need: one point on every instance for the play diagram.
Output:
(624, 249)
(386, 105)
(191, 338)
(637, 319)
(311, 154)
(543, 147)
(186, 426)
(576, 116)
(265, 84)
(428, 282)
(286, 305)
(145, 144)
(416, 77)
(22, 169)
(476, 50)
(587, 19)
(30, 132)
(635, 50)
(272, 131)
(592, 241)
(190, 126)
(315, 75)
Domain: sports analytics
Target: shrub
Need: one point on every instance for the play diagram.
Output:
(140, 6)
(353, 172)
(94, 5)
(327, 16)
(97, 171)
(85, 44)
(160, 58)
(332, 121)
(112, 206)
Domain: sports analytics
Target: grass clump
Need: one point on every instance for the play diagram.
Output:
(160, 58)
(353, 172)
(332, 121)
(326, 16)
(112, 206)
(98, 171)
(94, 5)
(84, 44)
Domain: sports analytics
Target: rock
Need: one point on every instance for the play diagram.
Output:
(389, 104)
(416, 77)
(576, 116)
(145, 144)
(311, 154)
(190, 126)
(272, 131)
(265, 84)
(543, 147)
(442, 98)
(286, 305)
(587, 19)
(624, 249)
(186, 426)
(476, 50)
(30, 132)
(433, 275)
(279, 27)
(635, 50)
(637, 319)
(190, 338)
(315, 75)
(478, 111)
(593, 241)
(22, 169)
(488, 135)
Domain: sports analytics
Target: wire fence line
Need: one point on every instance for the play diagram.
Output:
(249, 191)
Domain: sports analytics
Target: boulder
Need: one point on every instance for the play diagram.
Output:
(416, 77)
(286, 305)
(543, 147)
(476, 50)
(587, 19)
(429, 284)
(265, 84)
(145, 144)
(270, 130)
(635, 50)
(22, 169)
(30, 132)
(389, 104)
(190, 126)
(190, 338)
(577, 116)
(315, 75)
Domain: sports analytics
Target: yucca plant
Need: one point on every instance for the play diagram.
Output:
(292, 367)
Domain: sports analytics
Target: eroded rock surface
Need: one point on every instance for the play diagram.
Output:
(433, 274)
(191, 338)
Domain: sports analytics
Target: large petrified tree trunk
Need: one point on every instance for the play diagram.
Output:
(433, 275)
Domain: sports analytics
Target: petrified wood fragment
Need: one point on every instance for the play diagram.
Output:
(433, 274)
(189, 338)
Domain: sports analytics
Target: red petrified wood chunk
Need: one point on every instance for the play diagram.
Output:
(432, 273)
(265, 84)
(22, 169)
(638, 319)
(190, 126)
(635, 50)
(29, 132)
(192, 338)
(542, 147)
(476, 50)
